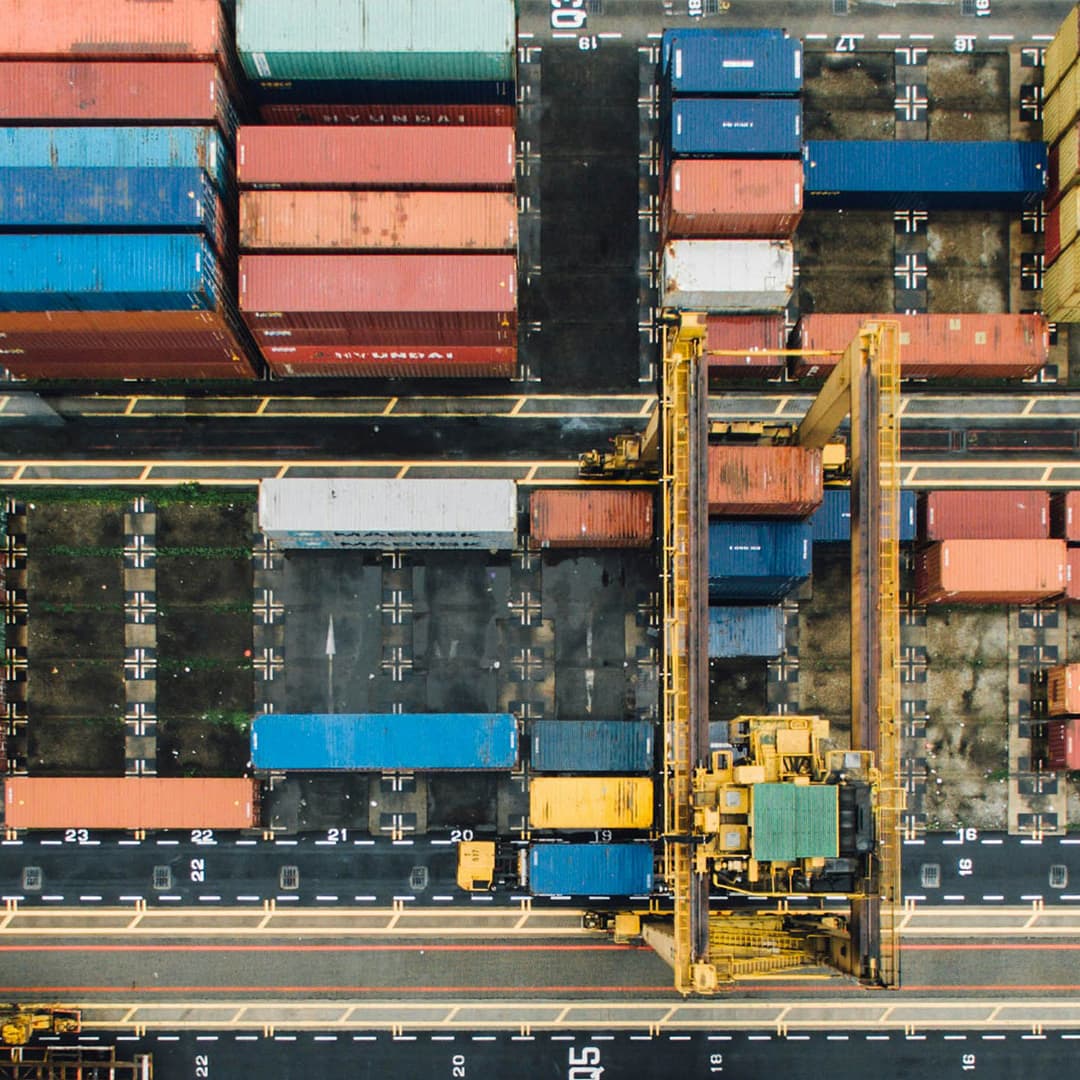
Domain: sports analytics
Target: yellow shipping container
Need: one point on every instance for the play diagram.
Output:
(1061, 285)
(1061, 107)
(1068, 219)
(1061, 52)
(1066, 157)
(590, 802)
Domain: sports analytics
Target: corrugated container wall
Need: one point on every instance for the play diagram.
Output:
(378, 220)
(165, 30)
(591, 746)
(399, 513)
(794, 821)
(1065, 515)
(591, 518)
(1061, 285)
(702, 62)
(929, 175)
(984, 515)
(114, 92)
(990, 571)
(758, 560)
(745, 631)
(145, 802)
(1063, 690)
(451, 362)
(831, 522)
(1062, 51)
(381, 40)
(751, 333)
(764, 481)
(714, 198)
(375, 157)
(736, 276)
(1072, 574)
(591, 869)
(391, 115)
(383, 741)
(1061, 107)
(936, 346)
(1063, 738)
(750, 127)
(1062, 225)
(1063, 164)
(590, 802)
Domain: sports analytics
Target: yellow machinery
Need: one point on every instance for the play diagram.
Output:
(73, 1063)
(476, 865)
(18, 1023)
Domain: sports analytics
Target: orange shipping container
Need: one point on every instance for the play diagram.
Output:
(745, 332)
(764, 481)
(990, 571)
(1072, 575)
(38, 802)
(1063, 690)
(374, 220)
(591, 518)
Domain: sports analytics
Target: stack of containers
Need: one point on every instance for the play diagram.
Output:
(731, 185)
(1063, 709)
(116, 256)
(1065, 525)
(760, 542)
(378, 238)
(831, 522)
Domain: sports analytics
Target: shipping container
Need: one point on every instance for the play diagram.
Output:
(392, 362)
(101, 92)
(424, 114)
(127, 802)
(1063, 690)
(1063, 745)
(1061, 107)
(118, 365)
(990, 571)
(590, 802)
(750, 334)
(1062, 225)
(1061, 285)
(761, 560)
(706, 61)
(591, 518)
(376, 157)
(1063, 164)
(883, 174)
(1062, 51)
(1065, 516)
(984, 515)
(115, 148)
(764, 480)
(745, 631)
(591, 869)
(163, 30)
(383, 40)
(389, 513)
(378, 220)
(738, 197)
(363, 330)
(831, 522)
(794, 821)
(591, 746)
(729, 127)
(974, 345)
(1072, 574)
(374, 742)
(107, 272)
(727, 275)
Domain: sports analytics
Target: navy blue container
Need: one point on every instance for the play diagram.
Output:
(759, 559)
(591, 746)
(116, 198)
(831, 521)
(591, 869)
(745, 631)
(901, 175)
(704, 62)
(378, 741)
(108, 272)
(733, 127)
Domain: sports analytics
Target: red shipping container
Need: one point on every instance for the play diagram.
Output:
(391, 115)
(984, 515)
(764, 481)
(728, 197)
(750, 333)
(400, 362)
(329, 330)
(973, 346)
(1063, 745)
(366, 220)
(376, 157)
(1063, 690)
(1052, 234)
(1072, 575)
(1065, 515)
(163, 29)
(198, 363)
(990, 572)
(591, 518)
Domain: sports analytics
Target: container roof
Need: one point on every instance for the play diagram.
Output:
(794, 821)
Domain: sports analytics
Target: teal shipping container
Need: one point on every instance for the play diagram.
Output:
(378, 40)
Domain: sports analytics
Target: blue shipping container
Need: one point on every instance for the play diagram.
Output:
(729, 127)
(108, 272)
(115, 148)
(745, 631)
(591, 746)
(143, 198)
(731, 62)
(591, 869)
(376, 741)
(758, 559)
(901, 175)
(831, 522)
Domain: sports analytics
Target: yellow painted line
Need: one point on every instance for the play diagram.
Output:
(530, 475)
(146, 472)
(18, 472)
(262, 406)
(1028, 407)
(390, 406)
(281, 473)
(518, 406)
(130, 407)
(402, 472)
(4, 401)
(647, 406)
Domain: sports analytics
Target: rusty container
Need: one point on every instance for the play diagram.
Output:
(1065, 516)
(591, 518)
(367, 115)
(990, 571)
(392, 362)
(1063, 690)
(749, 334)
(764, 481)
(975, 514)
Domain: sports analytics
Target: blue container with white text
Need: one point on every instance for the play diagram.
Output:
(591, 869)
(759, 559)
(702, 62)
(733, 127)
(831, 521)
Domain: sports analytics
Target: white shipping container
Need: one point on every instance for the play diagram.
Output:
(380, 514)
(729, 276)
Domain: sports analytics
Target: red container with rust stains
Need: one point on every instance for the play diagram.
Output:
(1072, 575)
(1063, 690)
(975, 514)
(1063, 745)
(1065, 515)
(764, 481)
(391, 115)
(591, 518)
(990, 571)
(397, 362)
(749, 334)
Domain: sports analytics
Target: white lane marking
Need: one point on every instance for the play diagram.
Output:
(247, 899)
(482, 1038)
(612, 36)
(327, 899)
(954, 1038)
(206, 1038)
(404, 898)
(284, 1038)
(1032, 1036)
(286, 843)
(171, 899)
(759, 1038)
(324, 1038)
(442, 899)
(950, 843)
(686, 1038)
(167, 843)
(1032, 843)
(889, 37)
(1069, 896)
(914, 842)
(993, 1038)
(719, 1038)
(484, 899)
(648, 1038)
(921, 37)
(365, 898)
(525, 34)
(294, 899)
(1000, 37)
(990, 843)
(326, 843)
(525, 1038)
(168, 1038)
(877, 1038)
(599, 897)
(950, 897)
(837, 1038)
(211, 899)
(437, 842)
(993, 896)
(815, 37)
(245, 1038)
(130, 899)
(52, 898)
(909, 897)
(560, 34)
(1042, 37)
(916, 1038)
(408, 1038)
(51, 843)
(654, 36)
(442, 1038)
(1031, 896)
(1063, 841)
(85, 899)
(797, 1038)
(246, 843)
(16, 843)
(13, 897)
(363, 843)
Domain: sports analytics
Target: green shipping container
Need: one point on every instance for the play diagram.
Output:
(381, 40)
(794, 821)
